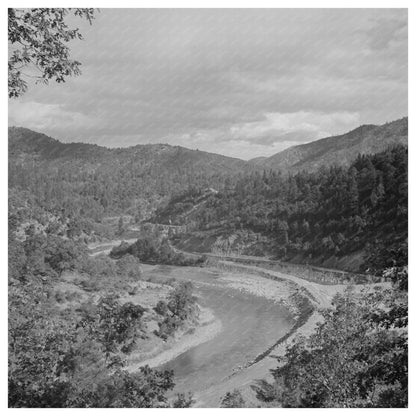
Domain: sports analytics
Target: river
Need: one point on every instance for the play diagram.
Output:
(250, 324)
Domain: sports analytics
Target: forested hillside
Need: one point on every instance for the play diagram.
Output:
(335, 212)
(92, 181)
(338, 150)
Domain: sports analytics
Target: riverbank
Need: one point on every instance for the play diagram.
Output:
(207, 328)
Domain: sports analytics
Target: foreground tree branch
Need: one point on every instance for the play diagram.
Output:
(38, 40)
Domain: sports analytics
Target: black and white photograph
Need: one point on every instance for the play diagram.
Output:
(207, 207)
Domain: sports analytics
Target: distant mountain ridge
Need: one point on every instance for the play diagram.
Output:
(338, 150)
(92, 181)
(24, 142)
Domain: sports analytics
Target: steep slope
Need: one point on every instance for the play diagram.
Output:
(334, 217)
(338, 150)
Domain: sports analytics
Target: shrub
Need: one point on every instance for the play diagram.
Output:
(100, 266)
(233, 399)
(180, 307)
(129, 265)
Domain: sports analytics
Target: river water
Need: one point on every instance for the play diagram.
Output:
(250, 324)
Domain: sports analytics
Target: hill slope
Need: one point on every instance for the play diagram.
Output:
(92, 181)
(27, 143)
(338, 150)
(334, 217)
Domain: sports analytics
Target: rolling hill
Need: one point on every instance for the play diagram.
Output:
(91, 180)
(25, 143)
(94, 181)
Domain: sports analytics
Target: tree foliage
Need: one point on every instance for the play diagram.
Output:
(38, 44)
(233, 399)
(74, 356)
(63, 361)
(179, 308)
(153, 248)
(115, 326)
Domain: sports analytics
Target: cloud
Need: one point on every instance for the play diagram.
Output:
(229, 80)
(272, 133)
(294, 126)
(41, 117)
(385, 32)
(210, 141)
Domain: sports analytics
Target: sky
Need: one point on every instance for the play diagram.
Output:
(240, 82)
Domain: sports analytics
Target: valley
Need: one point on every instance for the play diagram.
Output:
(197, 277)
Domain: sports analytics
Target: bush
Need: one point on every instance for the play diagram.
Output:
(154, 249)
(233, 399)
(129, 265)
(61, 254)
(100, 266)
(59, 296)
(180, 307)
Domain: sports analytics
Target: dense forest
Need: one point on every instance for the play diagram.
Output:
(90, 181)
(333, 212)
(105, 190)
